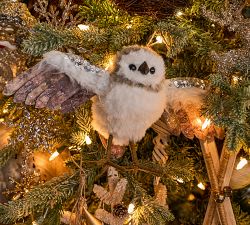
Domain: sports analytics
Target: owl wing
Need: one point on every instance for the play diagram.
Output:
(60, 81)
(182, 113)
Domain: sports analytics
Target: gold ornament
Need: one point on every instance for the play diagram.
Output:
(113, 197)
(90, 219)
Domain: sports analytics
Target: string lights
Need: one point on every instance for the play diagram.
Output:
(179, 13)
(242, 163)
(87, 140)
(201, 186)
(205, 124)
(60, 150)
(159, 39)
(83, 27)
(131, 208)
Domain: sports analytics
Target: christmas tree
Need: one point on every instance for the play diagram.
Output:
(191, 167)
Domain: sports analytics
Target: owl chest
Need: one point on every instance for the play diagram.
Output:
(128, 103)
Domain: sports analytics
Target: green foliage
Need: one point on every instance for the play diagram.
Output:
(242, 218)
(151, 213)
(104, 12)
(45, 38)
(147, 210)
(40, 199)
(230, 111)
(214, 5)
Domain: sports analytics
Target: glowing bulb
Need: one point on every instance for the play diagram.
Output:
(131, 208)
(241, 163)
(206, 124)
(201, 186)
(159, 39)
(83, 27)
(34, 223)
(87, 140)
(235, 79)
(5, 110)
(180, 180)
(199, 121)
(54, 155)
(1, 120)
(128, 26)
(191, 197)
(179, 13)
(212, 25)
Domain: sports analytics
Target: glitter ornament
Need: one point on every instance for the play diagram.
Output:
(113, 197)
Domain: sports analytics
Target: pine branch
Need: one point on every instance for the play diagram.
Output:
(151, 213)
(230, 111)
(242, 218)
(45, 196)
(46, 38)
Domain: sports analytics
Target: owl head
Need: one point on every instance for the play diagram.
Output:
(140, 65)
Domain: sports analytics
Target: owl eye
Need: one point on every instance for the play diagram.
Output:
(132, 67)
(152, 70)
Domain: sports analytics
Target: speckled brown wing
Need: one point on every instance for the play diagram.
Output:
(182, 113)
(45, 86)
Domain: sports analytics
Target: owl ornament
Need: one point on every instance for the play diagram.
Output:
(127, 99)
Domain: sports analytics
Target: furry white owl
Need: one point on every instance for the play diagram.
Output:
(128, 99)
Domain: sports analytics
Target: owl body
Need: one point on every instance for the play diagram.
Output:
(130, 96)
(127, 112)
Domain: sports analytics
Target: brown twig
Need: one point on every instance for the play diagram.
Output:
(133, 168)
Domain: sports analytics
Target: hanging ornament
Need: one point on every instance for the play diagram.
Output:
(113, 197)
(90, 219)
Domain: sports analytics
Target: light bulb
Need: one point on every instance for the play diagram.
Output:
(179, 13)
(34, 223)
(242, 163)
(87, 140)
(191, 197)
(131, 208)
(159, 39)
(129, 26)
(180, 180)
(206, 124)
(235, 79)
(54, 155)
(83, 27)
(201, 186)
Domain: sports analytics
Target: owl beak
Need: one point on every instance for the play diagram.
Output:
(143, 68)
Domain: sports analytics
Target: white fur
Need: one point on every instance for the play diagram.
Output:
(127, 112)
(95, 82)
(180, 98)
(137, 58)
